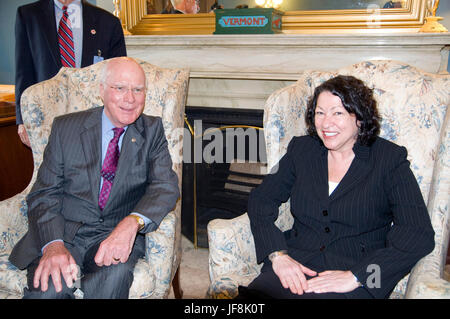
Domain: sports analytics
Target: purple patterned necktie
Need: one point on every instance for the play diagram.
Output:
(109, 167)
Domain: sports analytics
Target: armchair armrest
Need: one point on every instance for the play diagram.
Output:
(428, 287)
(160, 246)
(232, 257)
(13, 221)
(426, 278)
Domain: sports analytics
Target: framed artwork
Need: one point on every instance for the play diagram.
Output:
(344, 16)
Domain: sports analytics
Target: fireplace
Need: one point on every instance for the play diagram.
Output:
(224, 159)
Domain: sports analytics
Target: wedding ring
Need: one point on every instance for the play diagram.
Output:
(116, 259)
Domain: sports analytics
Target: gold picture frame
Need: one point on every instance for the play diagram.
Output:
(408, 19)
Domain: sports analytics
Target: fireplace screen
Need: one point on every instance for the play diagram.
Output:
(224, 159)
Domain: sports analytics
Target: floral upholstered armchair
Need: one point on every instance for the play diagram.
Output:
(76, 90)
(413, 106)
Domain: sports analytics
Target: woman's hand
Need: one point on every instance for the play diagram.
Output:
(333, 281)
(291, 273)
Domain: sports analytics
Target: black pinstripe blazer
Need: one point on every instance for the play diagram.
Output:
(352, 228)
(64, 198)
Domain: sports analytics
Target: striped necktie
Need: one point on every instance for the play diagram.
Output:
(65, 39)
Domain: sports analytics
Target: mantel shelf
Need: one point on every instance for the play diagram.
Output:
(242, 70)
(284, 55)
(292, 39)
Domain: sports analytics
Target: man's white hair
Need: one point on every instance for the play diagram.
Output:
(105, 73)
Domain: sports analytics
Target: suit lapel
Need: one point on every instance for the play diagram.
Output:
(357, 171)
(49, 29)
(131, 144)
(319, 171)
(90, 36)
(91, 139)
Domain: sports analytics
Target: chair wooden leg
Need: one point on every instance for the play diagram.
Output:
(177, 291)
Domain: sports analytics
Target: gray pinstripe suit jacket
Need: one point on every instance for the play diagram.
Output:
(64, 199)
(350, 229)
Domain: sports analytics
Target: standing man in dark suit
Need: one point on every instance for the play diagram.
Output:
(95, 33)
(106, 179)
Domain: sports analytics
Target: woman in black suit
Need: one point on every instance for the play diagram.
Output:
(360, 221)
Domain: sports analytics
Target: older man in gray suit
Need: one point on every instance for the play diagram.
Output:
(106, 179)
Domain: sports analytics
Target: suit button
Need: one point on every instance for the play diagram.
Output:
(327, 230)
(322, 248)
(101, 220)
(325, 213)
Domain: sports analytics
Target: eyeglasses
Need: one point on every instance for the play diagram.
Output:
(122, 90)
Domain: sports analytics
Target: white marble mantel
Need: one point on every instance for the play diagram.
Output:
(243, 70)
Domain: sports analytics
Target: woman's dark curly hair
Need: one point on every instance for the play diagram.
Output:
(356, 98)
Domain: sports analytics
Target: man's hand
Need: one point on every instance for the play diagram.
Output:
(23, 135)
(333, 281)
(56, 260)
(118, 245)
(291, 273)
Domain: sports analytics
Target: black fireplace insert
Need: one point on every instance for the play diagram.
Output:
(224, 159)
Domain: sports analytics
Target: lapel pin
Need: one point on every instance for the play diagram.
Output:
(93, 32)
(133, 140)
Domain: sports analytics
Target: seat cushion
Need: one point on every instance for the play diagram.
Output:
(12, 279)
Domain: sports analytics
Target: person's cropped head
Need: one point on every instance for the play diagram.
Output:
(340, 107)
(186, 6)
(122, 90)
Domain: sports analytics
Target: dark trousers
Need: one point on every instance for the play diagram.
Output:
(268, 286)
(107, 282)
